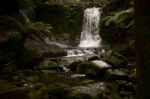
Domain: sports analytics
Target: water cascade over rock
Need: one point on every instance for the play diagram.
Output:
(90, 29)
(90, 40)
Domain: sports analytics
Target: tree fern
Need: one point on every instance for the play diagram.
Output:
(123, 18)
(19, 24)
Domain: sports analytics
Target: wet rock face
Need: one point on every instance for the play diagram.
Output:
(66, 21)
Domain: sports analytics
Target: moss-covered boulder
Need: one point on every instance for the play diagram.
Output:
(90, 69)
(47, 65)
(115, 59)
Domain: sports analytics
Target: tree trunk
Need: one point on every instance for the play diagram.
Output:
(142, 47)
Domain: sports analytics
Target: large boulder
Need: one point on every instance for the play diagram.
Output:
(115, 59)
(91, 69)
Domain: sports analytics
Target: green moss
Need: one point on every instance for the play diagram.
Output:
(115, 59)
(76, 95)
(47, 65)
(88, 68)
(58, 90)
(86, 82)
(39, 92)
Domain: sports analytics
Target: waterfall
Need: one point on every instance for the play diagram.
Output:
(90, 29)
(90, 40)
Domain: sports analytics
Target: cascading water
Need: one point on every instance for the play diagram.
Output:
(90, 40)
(90, 29)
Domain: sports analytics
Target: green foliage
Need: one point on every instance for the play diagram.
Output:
(24, 26)
(19, 30)
(122, 19)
